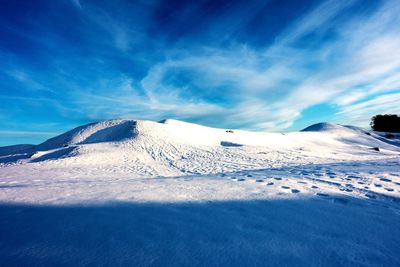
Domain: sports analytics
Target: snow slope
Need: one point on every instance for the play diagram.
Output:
(171, 193)
(175, 148)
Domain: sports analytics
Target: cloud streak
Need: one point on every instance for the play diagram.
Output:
(247, 64)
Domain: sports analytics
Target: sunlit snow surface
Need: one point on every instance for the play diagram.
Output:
(141, 193)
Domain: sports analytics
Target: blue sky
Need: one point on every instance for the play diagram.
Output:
(259, 65)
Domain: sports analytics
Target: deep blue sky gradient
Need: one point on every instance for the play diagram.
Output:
(259, 65)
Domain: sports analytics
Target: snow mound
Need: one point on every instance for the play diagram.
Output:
(324, 127)
(103, 131)
(175, 147)
(123, 130)
(225, 193)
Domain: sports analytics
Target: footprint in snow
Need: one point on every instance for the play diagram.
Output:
(353, 176)
(249, 175)
(259, 180)
(301, 182)
(322, 194)
(389, 189)
(340, 200)
(368, 195)
(277, 178)
(241, 179)
(285, 187)
(314, 187)
(295, 191)
(270, 183)
(377, 185)
(385, 180)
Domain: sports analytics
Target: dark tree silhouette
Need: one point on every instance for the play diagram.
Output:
(386, 123)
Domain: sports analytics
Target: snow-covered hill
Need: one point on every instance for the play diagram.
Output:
(171, 148)
(174, 147)
(124, 192)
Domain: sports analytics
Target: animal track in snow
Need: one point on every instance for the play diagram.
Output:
(369, 195)
(353, 177)
(340, 200)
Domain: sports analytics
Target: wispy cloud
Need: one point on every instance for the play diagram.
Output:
(226, 65)
(269, 87)
(77, 3)
(27, 134)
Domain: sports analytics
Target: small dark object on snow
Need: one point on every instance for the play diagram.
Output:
(376, 148)
(229, 131)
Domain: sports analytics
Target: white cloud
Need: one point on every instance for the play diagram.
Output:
(263, 88)
(26, 134)
(77, 3)
(273, 86)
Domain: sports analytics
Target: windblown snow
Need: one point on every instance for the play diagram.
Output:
(169, 193)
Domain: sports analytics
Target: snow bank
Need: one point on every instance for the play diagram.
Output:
(170, 193)
(172, 147)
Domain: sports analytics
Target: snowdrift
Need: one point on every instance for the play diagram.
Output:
(173, 147)
(123, 192)
(175, 131)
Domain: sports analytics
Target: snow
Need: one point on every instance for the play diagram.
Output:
(141, 193)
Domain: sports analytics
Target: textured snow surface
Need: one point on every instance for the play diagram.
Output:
(170, 193)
